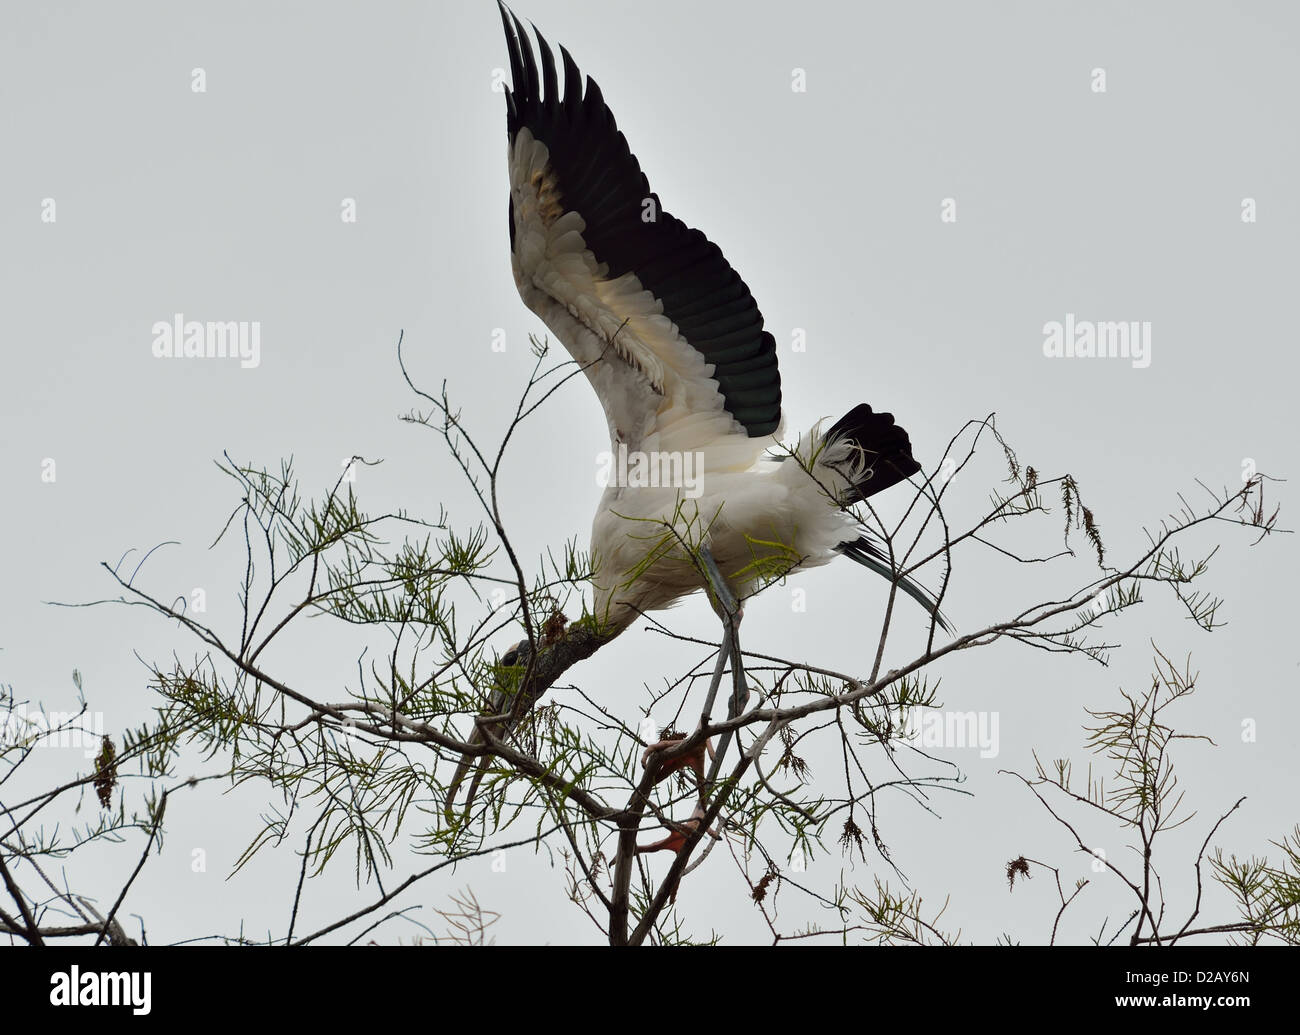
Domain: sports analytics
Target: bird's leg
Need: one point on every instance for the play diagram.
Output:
(728, 606)
(730, 611)
(729, 650)
(731, 614)
(696, 758)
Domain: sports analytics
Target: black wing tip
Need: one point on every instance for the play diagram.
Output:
(591, 156)
(534, 79)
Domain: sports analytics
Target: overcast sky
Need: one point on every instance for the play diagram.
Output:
(1122, 204)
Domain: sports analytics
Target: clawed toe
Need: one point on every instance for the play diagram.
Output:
(694, 759)
(676, 839)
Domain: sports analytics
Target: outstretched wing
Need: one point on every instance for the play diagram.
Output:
(668, 333)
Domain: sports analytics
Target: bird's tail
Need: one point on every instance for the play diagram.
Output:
(862, 454)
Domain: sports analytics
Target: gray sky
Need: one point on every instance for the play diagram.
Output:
(225, 205)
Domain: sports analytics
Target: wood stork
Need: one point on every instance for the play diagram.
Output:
(674, 345)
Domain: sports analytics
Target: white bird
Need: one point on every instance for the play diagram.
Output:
(673, 343)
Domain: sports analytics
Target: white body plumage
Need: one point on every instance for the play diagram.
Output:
(761, 516)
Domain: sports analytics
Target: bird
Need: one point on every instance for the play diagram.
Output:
(674, 345)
